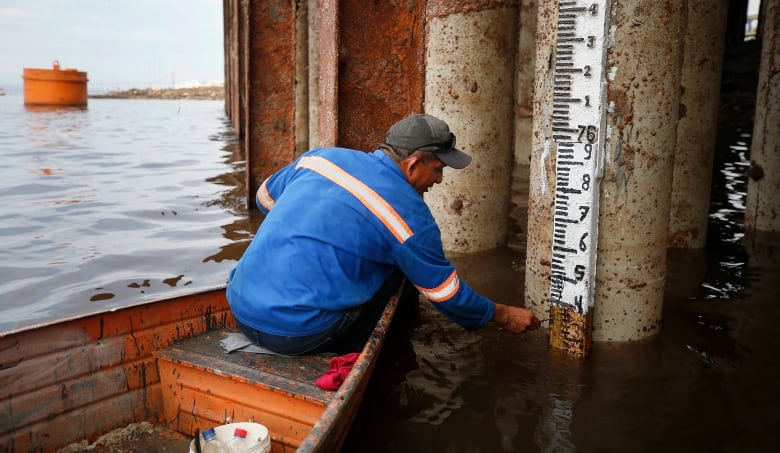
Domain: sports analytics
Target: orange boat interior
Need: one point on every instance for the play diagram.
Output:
(161, 362)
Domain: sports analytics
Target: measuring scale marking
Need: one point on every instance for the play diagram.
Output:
(578, 123)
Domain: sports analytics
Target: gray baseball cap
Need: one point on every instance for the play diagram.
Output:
(427, 133)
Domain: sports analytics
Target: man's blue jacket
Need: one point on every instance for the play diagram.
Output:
(338, 223)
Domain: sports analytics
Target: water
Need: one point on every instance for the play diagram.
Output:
(710, 381)
(124, 201)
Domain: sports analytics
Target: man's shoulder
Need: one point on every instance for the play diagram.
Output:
(333, 150)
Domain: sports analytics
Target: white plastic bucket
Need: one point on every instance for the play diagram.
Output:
(257, 436)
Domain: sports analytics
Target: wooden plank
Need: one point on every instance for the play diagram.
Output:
(234, 390)
(188, 409)
(202, 385)
(290, 374)
(191, 314)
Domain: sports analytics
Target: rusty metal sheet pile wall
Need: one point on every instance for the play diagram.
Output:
(270, 97)
(380, 68)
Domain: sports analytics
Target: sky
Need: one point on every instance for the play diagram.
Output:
(120, 44)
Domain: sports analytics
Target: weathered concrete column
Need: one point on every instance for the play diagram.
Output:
(644, 67)
(705, 39)
(524, 91)
(643, 76)
(542, 170)
(762, 211)
(469, 84)
(270, 89)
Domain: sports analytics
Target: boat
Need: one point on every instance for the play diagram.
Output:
(74, 380)
(55, 86)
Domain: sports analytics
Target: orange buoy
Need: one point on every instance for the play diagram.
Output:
(55, 86)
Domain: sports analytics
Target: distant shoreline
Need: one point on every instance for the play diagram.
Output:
(195, 93)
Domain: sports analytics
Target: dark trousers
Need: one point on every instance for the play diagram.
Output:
(349, 334)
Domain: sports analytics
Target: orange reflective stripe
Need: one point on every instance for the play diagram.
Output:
(444, 291)
(264, 198)
(370, 199)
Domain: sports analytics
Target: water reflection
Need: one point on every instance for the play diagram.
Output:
(119, 203)
(563, 389)
(32, 108)
(245, 222)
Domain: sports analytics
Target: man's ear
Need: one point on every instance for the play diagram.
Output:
(410, 164)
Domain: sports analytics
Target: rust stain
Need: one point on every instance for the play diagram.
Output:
(755, 171)
(682, 238)
(570, 331)
(457, 205)
(635, 284)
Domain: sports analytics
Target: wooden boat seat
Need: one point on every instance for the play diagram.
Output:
(198, 377)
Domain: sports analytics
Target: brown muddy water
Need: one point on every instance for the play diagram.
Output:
(708, 382)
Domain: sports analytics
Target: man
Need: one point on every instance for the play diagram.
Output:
(342, 230)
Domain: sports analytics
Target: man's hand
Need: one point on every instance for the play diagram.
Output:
(515, 319)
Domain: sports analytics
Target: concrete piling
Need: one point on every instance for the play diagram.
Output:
(541, 192)
(699, 101)
(644, 65)
(643, 81)
(525, 68)
(762, 211)
(469, 83)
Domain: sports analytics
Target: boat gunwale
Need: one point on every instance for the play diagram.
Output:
(354, 386)
(104, 311)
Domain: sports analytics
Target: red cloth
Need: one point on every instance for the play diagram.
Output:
(340, 367)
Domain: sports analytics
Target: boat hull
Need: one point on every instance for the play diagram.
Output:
(75, 380)
(78, 379)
